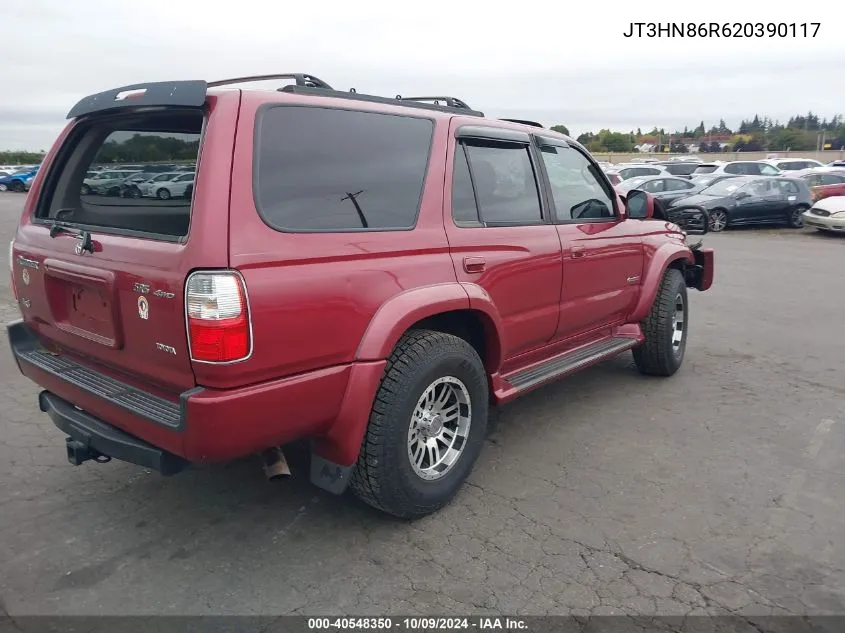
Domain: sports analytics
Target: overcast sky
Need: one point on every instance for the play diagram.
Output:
(547, 61)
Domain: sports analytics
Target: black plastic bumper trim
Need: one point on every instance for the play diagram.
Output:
(26, 349)
(107, 439)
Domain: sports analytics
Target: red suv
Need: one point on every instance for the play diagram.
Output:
(369, 273)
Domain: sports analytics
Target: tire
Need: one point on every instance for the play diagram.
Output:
(135, 193)
(662, 353)
(385, 475)
(718, 220)
(163, 194)
(16, 186)
(85, 190)
(796, 218)
(4, 186)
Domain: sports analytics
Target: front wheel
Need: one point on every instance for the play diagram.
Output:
(16, 186)
(163, 194)
(718, 220)
(666, 328)
(4, 186)
(427, 426)
(796, 218)
(85, 190)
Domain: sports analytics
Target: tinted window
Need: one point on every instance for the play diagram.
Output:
(742, 168)
(321, 169)
(758, 188)
(505, 185)
(830, 179)
(653, 186)
(705, 169)
(674, 184)
(787, 187)
(577, 190)
(464, 210)
(682, 169)
(793, 165)
(105, 200)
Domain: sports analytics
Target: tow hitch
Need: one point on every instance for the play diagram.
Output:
(78, 453)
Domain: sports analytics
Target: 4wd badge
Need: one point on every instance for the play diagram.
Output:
(143, 308)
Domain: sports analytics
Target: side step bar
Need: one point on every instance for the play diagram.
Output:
(570, 362)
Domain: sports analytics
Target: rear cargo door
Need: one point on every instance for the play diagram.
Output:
(102, 275)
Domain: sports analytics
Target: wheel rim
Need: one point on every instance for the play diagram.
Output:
(679, 320)
(439, 428)
(798, 217)
(718, 220)
(3, 187)
(163, 194)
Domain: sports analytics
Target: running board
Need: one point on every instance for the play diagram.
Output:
(570, 362)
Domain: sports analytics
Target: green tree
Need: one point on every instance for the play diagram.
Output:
(562, 129)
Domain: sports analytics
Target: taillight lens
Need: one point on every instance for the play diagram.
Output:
(12, 268)
(218, 317)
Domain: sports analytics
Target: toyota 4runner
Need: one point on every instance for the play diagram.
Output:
(369, 273)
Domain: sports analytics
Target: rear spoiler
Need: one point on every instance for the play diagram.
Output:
(162, 93)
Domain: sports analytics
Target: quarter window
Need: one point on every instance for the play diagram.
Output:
(324, 169)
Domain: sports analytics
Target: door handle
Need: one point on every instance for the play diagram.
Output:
(578, 251)
(474, 264)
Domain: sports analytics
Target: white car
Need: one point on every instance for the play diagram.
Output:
(149, 186)
(793, 164)
(828, 214)
(625, 171)
(105, 183)
(738, 168)
(168, 188)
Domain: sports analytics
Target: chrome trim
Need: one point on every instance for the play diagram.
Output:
(27, 263)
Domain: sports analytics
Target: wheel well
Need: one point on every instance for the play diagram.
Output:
(473, 326)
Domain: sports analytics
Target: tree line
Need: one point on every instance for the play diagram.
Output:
(800, 133)
(139, 148)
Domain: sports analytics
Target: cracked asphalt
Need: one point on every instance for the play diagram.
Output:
(718, 491)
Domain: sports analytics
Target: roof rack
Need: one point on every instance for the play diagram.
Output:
(452, 104)
(302, 79)
(524, 122)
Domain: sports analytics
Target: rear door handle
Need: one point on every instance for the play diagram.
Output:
(474, 264)
(578, 251)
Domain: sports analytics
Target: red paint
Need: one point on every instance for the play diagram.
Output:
(327, 308)
(821, 192)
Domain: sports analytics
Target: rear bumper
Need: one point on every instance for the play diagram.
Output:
(89, 438)
(330, 405)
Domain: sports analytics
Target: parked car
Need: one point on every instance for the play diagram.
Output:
(665, 189)
(682, 168)
(337, 284)
(705, 180)
(18, 180)
(820, 176)
(793, 164)
(173, 188)
(754, 200)
(738, 167)
(146, 188)
(820, 192)
(827, 214)
(836, 163)
(106, 183)
(625, 171)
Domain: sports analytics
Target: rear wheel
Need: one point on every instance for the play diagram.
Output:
(134, 192)
(85, 189)
(16, 186)
(666, 328)
(796, 218)
(427, 426)
(3, 186)
(718, 220)
(163, 194)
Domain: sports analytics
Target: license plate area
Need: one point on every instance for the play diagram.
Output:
(83, 302)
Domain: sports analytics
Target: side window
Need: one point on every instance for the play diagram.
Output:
(829, 179)
(678, 185)
(652, 171)
(787, 187)
(767, 170)
(735, 168)
(464, 208)
(577, 190)
(325, 169)
(654, 186)
(505, 184)
(759, 188)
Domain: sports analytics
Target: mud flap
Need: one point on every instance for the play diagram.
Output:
(329, 476)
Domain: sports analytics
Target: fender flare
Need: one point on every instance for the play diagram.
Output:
(662, 258)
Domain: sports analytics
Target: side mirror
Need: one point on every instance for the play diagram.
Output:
(639, 205)
(692, 219)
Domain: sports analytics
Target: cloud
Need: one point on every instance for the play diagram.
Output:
(549, 62)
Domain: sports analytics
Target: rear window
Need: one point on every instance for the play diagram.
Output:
(681, 169)
(117, 199)
(323, 169)
(705, 169)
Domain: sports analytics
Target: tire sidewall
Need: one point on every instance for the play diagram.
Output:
(675, 287)
(435, 492)
(724, 214)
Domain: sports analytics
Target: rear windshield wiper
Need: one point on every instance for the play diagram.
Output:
(86, 243)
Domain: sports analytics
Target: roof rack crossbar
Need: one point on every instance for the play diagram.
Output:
(463, 109)
(524, 122)
(302, 79)
(452, 102)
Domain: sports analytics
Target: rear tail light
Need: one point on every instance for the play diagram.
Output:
(217, 314)
(12, 268)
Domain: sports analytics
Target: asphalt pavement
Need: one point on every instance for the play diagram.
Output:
(720, 490)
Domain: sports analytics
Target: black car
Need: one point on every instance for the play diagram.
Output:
(682, 169)
(665, 189)
(753, 200)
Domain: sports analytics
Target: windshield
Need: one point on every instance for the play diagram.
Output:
(725, 187)
(705, 169)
